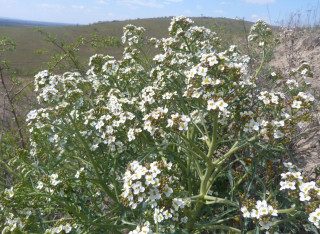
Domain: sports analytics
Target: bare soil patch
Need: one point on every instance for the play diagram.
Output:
(305, 48)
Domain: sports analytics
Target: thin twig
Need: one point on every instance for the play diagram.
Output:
(12, 108)
(2, 120)
(17, 93)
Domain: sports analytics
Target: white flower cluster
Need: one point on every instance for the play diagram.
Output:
(155, 118)
(11, 224)
(220, 104)
(260, 31)
(132, 34)
(260, 210)
(292, 84)
(66, 228)
(9, 192)
(307, 97)
(254, 125)
(151, 185)
(314, 217)
(300, 73)
(53, 179)
(180, 121)
(142, 229)
(293, 180)
(143, 184)
(271, 98)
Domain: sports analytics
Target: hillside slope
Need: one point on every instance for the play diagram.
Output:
(24, 59)
(5, 22)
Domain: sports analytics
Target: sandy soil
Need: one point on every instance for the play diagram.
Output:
(305, 48)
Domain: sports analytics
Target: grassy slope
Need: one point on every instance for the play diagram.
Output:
(25, 60)
(6, 22)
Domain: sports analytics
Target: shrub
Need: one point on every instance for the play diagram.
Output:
(184, 143)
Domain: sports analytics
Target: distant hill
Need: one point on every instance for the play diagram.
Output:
(25, 60)
(5, 22)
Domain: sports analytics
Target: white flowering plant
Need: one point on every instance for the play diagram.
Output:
(183, 143)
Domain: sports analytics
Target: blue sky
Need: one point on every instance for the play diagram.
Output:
(85, 11)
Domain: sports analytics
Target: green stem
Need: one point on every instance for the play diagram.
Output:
(205, 129)
(217, 200)
(213, 143)
(195, 213)
(262, 61)
(194, 148)
(239, 182)
(205, 179)
(9, 169)
(89, 154)
(233, 149)
(286, 211)
(157, 227)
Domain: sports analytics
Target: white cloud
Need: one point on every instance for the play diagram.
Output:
(52, 6)
(187, 12)
(133, 4)
(174, 0)
(77, 7)
(260, 1)
(225, 3)
(199, 7)
(7, 1)
(102, 2)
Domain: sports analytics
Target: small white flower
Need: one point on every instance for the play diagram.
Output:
(77, 175)
(221, 104)
(296, 104)
(149, 179)
(154, 194)
(304, 196)
(9, 192)
(183, 126)
(54, 176)
(266, 225)
(245, 212)
(55, 182)
(272, 211)
(60, 229)
(176, 203)
(184, 219)
(278, 134)
(67, 228)
(167, 190)
(40, 185)
(211, 105)
(255, 214)
(291, 185)
(202, 71)
(307, 227)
